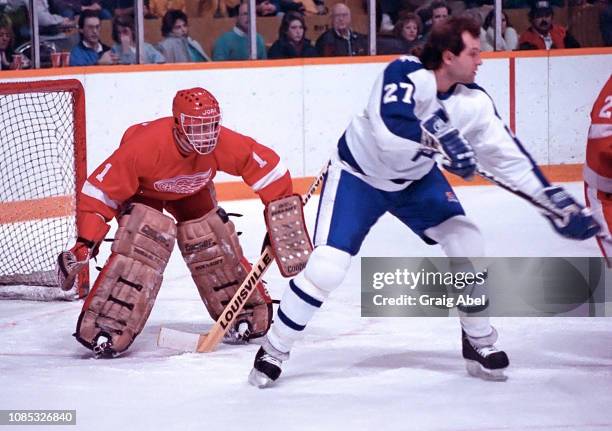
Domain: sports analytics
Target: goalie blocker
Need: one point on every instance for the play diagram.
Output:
(288, 235)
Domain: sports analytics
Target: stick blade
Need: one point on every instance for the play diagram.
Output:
(178, 340)
(209, 342)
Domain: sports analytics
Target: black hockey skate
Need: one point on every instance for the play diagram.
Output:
(484, 361)
(267, 366)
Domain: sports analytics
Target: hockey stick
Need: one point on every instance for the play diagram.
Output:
(543, 205)
(553, 210)
(204, 343)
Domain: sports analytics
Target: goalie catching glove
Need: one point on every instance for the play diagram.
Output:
(71, 262)
(574, 221)
(460, 159)
(287, 234)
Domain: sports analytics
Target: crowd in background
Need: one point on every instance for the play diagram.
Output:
(402, 25)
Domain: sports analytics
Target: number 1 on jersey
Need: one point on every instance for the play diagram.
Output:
(101, 175)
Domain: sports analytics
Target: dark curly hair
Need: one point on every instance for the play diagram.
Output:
(405, 18)
(446, 36)
(170, 18)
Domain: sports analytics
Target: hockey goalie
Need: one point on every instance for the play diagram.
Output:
(169, 164)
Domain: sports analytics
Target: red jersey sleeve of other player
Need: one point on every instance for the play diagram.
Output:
(602, 109)
(599, 148)
(259, 166)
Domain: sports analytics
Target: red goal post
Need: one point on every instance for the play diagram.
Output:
(42, 165)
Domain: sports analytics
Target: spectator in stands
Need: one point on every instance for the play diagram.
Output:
(234, 44)
(126, 7)
(312, 7)
(438, 11)
(406, 35)
(291, 42)
(72, 8)
(51, 26)
(8, 59)
(223, 8)
(176, 45)
(267, 7)
(6, 43)
(90, 51)
(509, 36)
(159, 8)
(48, 19)
(605, 24)
(125, 43)
(341, 39)
(389, 10)
(543, 34)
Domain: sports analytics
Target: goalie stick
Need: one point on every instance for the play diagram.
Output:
(207, 342)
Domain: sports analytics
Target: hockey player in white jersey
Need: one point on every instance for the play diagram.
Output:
(381, 165)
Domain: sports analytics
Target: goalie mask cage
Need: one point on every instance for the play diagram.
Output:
(42, 165)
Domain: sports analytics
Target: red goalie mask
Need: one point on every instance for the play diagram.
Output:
(197, 117)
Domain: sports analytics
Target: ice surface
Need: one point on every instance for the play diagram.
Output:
(348, 373)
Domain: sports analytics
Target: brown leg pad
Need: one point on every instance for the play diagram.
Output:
(213, 254)
(123, 295)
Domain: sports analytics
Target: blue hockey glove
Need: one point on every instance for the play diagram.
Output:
(459, 158)
(576, 222)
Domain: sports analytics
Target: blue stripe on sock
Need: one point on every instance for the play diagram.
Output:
(287, 321)
(304, 296)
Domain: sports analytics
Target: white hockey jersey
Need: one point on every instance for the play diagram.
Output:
(382, 146)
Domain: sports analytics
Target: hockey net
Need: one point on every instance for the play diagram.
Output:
(42, 165)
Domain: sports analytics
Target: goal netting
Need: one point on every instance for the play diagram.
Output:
(42, 165)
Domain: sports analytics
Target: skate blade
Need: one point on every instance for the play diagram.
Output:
(474, 369)
(259, 379)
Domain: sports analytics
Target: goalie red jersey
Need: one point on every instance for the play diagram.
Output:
(150, 166)
(598, 166)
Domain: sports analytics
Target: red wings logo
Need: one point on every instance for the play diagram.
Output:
(183, 184)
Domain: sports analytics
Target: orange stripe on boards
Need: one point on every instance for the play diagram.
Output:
(548, 53)
(36, 209)
(61, 206)
(239, 190)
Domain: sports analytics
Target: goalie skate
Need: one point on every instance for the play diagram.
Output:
(485, 362)
(267, 366)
